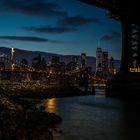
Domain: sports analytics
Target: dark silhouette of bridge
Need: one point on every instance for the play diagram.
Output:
(127, 12)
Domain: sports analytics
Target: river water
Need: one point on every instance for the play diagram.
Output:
(95, 118)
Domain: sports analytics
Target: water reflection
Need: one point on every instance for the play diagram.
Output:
(88, 117)
(50, 105)
(95, 117)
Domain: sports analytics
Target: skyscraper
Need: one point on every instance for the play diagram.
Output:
(105, 62)
(55, 60)
(83, 59)
(111, 65)
(98, 59)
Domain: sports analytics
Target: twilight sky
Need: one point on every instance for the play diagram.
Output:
(58, 26)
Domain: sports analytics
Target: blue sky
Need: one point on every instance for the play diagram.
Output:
(58, 26)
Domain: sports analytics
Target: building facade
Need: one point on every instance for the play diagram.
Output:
(98, 59)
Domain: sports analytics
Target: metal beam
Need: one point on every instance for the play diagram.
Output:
(119, 9)
(99, 3)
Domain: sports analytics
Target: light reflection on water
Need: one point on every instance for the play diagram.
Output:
(50, 105)
(94, 118)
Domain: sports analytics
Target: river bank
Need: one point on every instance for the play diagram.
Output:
(19, 122)
(19, 119)
(41, 91)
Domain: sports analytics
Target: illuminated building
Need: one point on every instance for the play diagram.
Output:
(24, 63)
(39, 63)
(103, 69)
(56, 66)
(36, 62)
(98, 59)
(83, 60)
(111, 66)
(105, 62)
(55, 60)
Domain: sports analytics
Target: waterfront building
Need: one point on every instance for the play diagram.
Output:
(105, 62)
(56, 66)
(36, 62)
(39, 63)
(98, 59)
(43, 64)
(111, 66)
(24, 63)
(104, 65)
(73, 65)
(55, 60)
(83, 59)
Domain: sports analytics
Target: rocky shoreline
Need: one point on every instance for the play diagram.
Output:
(19, 122)
(41, 91)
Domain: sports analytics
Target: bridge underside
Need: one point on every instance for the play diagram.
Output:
(125, 83)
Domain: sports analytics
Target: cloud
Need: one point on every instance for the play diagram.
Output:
(32, 8)
(56, 41)
(28, 39)
(113, 36)
(68, 24)
(24, 38)
(75, 21)
(49, 29)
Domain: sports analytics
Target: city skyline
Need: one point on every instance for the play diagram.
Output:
(61, 27)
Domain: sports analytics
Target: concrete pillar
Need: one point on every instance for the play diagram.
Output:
(126, 84)
(138, 46)
(126, 60)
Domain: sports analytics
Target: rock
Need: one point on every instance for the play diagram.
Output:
(19, 123)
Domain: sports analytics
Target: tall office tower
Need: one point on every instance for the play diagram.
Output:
(36, 62)
(105, 62)
(75, 62)
(111, 65)
(98, 59)
(43, 63)
(83, 59)
(75, 59)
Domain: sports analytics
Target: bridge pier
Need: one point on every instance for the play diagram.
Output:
(127, 83)
(125, 86)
